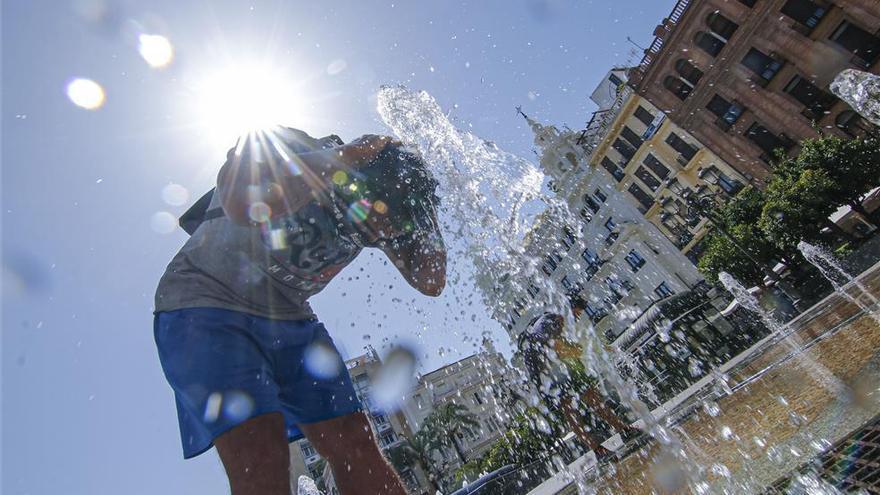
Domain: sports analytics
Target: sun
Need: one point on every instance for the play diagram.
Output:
(244, 98)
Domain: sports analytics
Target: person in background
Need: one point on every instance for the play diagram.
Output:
(566, 388)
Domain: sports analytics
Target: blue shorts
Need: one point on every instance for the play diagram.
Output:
(226, 367)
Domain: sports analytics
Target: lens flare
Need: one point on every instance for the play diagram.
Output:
(156, 50)
(85, 93)
(322, 361)
(163, 222)
(359, 210)
(175, 195)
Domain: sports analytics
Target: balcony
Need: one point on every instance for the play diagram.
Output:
(661, 33)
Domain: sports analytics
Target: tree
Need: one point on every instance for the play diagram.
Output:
(853, 166)
(739, 218)
(445, 424)
(797, 207)
(414, 452)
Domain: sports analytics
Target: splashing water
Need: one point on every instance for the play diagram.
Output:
(483, 187)
(839, 278)
(487, 196)
(861, 90)
(777, 328)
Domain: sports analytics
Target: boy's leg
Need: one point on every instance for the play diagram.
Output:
(256, 456)
(358, 466)
(574, 419)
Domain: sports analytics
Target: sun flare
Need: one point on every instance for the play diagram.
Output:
(244, 98)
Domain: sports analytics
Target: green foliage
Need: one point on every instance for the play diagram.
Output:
(797, 207)
(411, 453)
(853, 165)
(738, 217)
(443, 426)
(801, 194)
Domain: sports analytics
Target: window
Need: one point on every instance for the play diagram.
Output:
(307, 449)
(763, 65)
(681, 146)
(380, 419)
(477, 399)
(600, 195)
(749, 3)
(678, 86)
(647, 178)
(720, 25)
(863, 44)
(663, 291)
(613, 169)
(767, 141)
(854, 125)
(728, 185)
(590, 256)
(631, 137)
(566, 283)
(644, 199)
(586, 215)
(656, 166)
(635, 260)
(643, 115)
(806, 12)
(568, 238)
(709, 43)
(533, 290)
(688, 71)
(818, 102)
(728, 113)
(550, 264)
(591, 203)
(595, 315)
(610, 225)
(614, 79)
(387, 438)
(624, 149)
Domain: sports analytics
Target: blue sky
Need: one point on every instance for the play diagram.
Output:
(85, 406)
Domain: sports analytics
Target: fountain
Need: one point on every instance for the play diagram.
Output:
(490, 198)
(861, 90)
(777, 328)
(832, 270)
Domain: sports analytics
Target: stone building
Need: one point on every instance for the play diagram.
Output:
(748, 77)
(658, 165)
(603, 247)
(473, 383)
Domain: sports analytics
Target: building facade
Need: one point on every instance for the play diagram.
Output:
(471, 382)
(603, 247)
(749, 77)
(658, 165)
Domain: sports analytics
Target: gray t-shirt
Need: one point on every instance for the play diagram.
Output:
(267, 270)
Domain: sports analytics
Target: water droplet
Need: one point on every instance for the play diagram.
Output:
(85, 93)
(163, 222)
(175, 194)
(322, 361)
(156, 50)
(336, 66)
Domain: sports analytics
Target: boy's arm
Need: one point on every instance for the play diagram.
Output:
(286, 186)
(422, 264)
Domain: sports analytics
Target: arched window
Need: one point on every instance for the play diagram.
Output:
(688, 71)
(720, 25)
(709, 42)
(854, 125)
(679, 87)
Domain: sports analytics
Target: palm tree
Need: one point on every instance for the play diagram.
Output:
(445, 424)
(414, 452)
